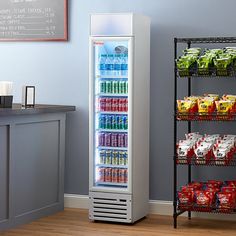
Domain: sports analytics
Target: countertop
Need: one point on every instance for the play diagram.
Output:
(38, 109)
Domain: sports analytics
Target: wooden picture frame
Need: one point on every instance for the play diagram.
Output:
(15, 24)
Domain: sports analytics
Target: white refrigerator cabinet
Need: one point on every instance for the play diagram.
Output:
(119, 81)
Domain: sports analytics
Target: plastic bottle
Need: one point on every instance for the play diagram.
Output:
(117, 65)
(109, 65)
(124, 65)
(102, 64)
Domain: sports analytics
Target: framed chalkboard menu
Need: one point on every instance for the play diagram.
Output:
(33, 20)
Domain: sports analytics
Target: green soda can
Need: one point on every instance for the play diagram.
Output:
(115, 86)
(102, 86)
(113, 122)
(115, 158)
(121, 87)
(108, 87)
(126, 87)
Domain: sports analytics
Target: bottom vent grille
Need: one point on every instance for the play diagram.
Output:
(110, 207)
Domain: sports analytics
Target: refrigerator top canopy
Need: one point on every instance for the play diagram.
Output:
(119, 24)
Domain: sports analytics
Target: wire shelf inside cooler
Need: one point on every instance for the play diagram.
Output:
(112, 166)
(125, 77)
(112, 94)
(112, 113)
(113, 130)
(110, 184)
(113, 148)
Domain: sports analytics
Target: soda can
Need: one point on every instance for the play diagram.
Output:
(121, 158)
(98, 104)
(102, 86)
(114, 140)
(125, 175)
(107, 139)
(113, 122)
(108, 122)
(125, 158)
(126, 87)
(115, 87)
(125, 122)
(108, 86)
(101, 174)
(120, 106)
(121, 175)
(108, 158)
(125, 105)
(121, 87)
(108, 173)
(108, 104)
(115, 175)
(101, 139)
(115, 158)
(102, 106)
(125, 140)
(102, 157)
(115, 104)
(102, 122)
(120, 124)
(120, 141)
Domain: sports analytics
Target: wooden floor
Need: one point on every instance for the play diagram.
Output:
(75, 222)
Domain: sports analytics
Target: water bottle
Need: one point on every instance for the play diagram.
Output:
(124, 65)
(102, 64)
(117, 65)
(109, 65)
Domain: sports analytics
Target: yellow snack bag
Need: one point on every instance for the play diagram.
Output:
(216, 97)
(229, 97)
(224, 106)
(186, 106)
(206, 105)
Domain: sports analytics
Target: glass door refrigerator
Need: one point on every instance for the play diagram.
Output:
(119, 117)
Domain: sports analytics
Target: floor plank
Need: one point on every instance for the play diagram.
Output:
(75, 222)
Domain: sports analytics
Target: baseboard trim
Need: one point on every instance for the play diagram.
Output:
(155, 207)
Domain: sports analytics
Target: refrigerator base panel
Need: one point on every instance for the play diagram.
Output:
(110, 207)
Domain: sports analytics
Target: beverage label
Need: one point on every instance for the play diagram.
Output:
(102, 155)
(121, 158)
(115, 160)
(107, 139)
(114, 140)
(108, 158)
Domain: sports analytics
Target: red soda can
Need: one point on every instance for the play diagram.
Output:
(101, 139)
(126, 105)
(120, 106)
(101, 174)
(120, 141)
(114, 140)
(121, 175)
(108, 104)
(115, 104)
(125, 175)
(102, 104)
(108, 174)
(98, 104)
(125, 140)
(115, 175)
(107, 139)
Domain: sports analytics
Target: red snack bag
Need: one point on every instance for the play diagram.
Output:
(204, 198)
(215, 183)
(226, 200)
(231, 183)
(196, 185)
(186, 198)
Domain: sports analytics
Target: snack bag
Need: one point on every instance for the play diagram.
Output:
(215, 97)
(204, 198)
(226, 200)
(224, 106)
(231, 183)
(231, 98)
(186, 107)
(206, 106)
(185, 198)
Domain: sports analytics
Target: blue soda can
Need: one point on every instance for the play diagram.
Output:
(125, 122)
(108, 122)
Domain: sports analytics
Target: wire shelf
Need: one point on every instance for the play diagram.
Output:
(212, 209)
(205, 117)
(207, 162)
(207, 40)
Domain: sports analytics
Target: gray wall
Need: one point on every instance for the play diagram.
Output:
(60, 73)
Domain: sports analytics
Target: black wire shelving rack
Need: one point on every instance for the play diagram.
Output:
(189, 118)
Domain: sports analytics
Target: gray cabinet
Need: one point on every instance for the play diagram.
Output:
(32, 155)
